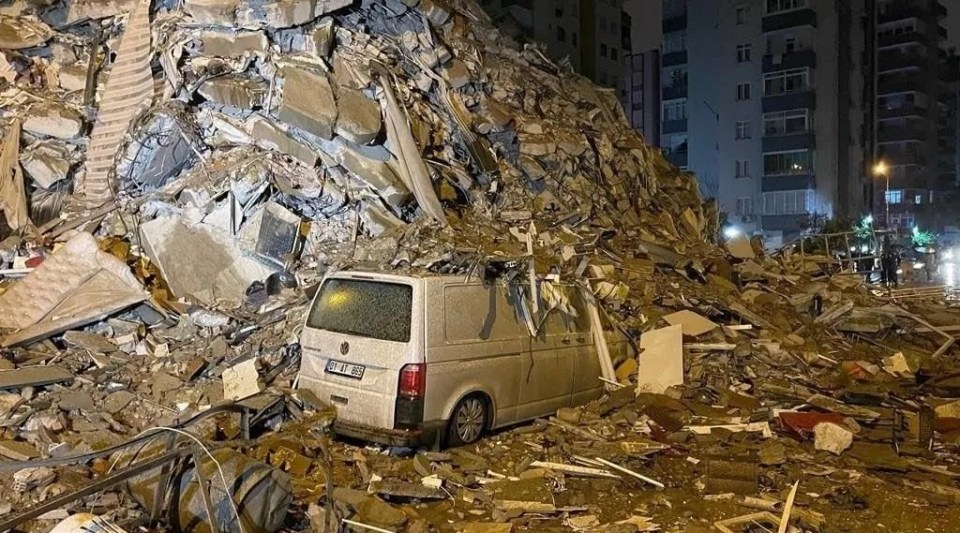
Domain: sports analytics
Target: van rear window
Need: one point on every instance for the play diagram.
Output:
(372, 309)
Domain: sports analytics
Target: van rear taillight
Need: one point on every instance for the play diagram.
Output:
(413, 381)
(410, 392)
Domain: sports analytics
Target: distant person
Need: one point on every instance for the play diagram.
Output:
(889, 263)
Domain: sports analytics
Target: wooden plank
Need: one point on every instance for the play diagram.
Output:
(34, 376)
(788, 508)
(574, 470)
(629, 472)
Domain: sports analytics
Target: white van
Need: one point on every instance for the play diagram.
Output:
(434, 360)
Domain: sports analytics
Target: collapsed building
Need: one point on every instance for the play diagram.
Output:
(176, 174)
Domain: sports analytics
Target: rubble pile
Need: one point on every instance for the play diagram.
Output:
(177, 176)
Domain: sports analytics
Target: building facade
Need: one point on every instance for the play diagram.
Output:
(640, 93)
(765, 101)
(593, 34)
(915, 118)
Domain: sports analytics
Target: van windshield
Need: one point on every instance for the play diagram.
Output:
(373, 309)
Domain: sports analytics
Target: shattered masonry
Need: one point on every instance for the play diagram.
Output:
(175, 175)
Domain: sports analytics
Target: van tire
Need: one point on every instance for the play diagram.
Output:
(468, 420)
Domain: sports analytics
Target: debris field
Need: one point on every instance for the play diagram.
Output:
(177, 178)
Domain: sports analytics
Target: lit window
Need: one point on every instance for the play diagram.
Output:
(894, 196)
(918, 199)
(675, 110)
(786, 163)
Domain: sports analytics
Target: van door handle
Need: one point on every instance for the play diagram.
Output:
(565, 341)
(581, 339)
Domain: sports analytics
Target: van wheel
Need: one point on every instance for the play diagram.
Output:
(468, 421)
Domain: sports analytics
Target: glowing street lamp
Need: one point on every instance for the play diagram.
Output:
(880, 169)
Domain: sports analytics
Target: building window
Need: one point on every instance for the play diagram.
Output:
(603, 50)
(918, 199)
(743, 91)
(674, 8)
(786, 82)
(613, 53)
(674, 143)
(561, 34)
(743, 129)
(742, 13)
(674, 41)
(743, 53)
(675, 110)
(777, 6)
(558, 12)
(785, 163)
(744, 206)
(786, 122)
(743, 169)
(788, 202)
(894, 197)
(573, 38)
(674, 77)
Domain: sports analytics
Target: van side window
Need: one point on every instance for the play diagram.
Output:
(582, 321)
(475, 312)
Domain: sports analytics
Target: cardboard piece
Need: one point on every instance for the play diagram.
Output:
(693, 324)
(241, 381)
(661, 360)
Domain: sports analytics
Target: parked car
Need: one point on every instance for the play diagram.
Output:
(437, 360)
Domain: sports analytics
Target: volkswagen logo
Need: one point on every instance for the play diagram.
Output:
(344, 348)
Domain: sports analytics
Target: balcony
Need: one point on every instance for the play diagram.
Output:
(904, 9)
(902, 38)
(888, 134)
(797, 59)
(674, 23)
(903, 158)
(898, 61)
(788, 182)
(678, 159)
(902, 83)
(790, 19)
(674, 58)
(674, 126)
(784, 143)
(675, 91)
(798, 100)
(903, 111)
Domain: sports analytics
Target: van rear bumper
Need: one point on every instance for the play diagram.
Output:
(427, 435)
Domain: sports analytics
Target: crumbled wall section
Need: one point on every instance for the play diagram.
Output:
(129, 89)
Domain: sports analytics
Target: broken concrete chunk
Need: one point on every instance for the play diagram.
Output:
(117, 401)
(457, 74)
(322, 37)
(200, 261)
(307, 102)
(241, 381)
(17, 33)
(91, 342)
(693, 324)
(375, 512)
(378, 220)
(661, 360)
(832, 438)
(46, 163)
(52, 120)
(18, 451)
(377, 175)
(235, 90)
(270, 136)
(76, 401)
(359, 117)
(72, 77)
(233, 43)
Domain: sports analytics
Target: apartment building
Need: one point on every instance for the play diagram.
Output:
(640, 94)
(915, 120)
(765, 101)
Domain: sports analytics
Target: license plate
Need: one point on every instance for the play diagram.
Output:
(345, 369)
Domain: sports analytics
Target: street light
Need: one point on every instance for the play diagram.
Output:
(880, 169)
